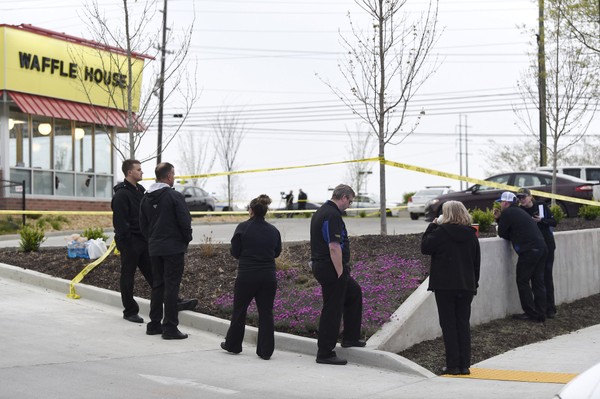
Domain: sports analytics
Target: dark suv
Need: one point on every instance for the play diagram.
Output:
(483, 197)
(196, 198)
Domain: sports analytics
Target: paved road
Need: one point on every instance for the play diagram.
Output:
(296, 229)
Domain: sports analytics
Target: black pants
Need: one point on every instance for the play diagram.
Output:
(530, 270)
(549, 282)
(133, 255)
(341, 296)
(167, 273)
(454, 311)
(263, 292)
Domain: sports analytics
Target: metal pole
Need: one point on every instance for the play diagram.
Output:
(162, 86)
(460, 155)
(466, 148)
(23, 203)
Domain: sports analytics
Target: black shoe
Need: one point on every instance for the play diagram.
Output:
(187, 304)
(134, 318)
(151, 330)
(174, 335)
(264, 357)
(359, 343)
(451, 370)
(332, 360)
(225, 348)
(550, 315)
(465, 371)
(521, 316)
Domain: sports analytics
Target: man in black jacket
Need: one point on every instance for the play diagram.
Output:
(342, 295)
(167, 224)
(516, 225)
(130, 241)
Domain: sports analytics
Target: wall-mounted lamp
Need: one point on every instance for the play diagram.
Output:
(79, 133)
(44, 129)
(11, 123)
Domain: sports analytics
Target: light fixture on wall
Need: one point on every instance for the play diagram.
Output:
(79, 133)
(11, 123)
(44, 129)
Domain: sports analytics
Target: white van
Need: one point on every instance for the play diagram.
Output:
(586, 172)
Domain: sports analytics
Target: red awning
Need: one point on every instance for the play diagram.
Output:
(55, 108)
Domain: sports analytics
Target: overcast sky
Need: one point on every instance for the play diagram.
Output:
(261, 56)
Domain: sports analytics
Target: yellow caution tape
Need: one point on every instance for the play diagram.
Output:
(72, 293)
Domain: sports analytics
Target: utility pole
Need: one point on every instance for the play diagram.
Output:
(460, 153)
(542, 84)
(161, 96)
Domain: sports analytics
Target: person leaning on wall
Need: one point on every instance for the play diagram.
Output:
(255, 243)
(541, 214)
(454, 279)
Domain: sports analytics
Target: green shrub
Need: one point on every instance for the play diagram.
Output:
(483, 218)
(8, 225)
(362, 214)
(589, 212)
(31, 238)
(93, 233)
(558, 213)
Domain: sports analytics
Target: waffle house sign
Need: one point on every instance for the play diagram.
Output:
(54, 65)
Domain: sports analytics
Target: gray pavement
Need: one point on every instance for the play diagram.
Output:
(54, 347)
(296, 229)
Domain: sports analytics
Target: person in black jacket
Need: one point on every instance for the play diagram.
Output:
(167, 224)
(541, 214)
(516, 225)
(130, 241)
(454, 279)
(255, 243)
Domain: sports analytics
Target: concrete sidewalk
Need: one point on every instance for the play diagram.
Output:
(53, 346)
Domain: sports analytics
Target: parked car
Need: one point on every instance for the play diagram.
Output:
(483, 197)
(196, 198)
(236, 206)
(585, 172)
(366, 203)
(417, 203)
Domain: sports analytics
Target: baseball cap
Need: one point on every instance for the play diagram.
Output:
(507, 196)
(523, 192)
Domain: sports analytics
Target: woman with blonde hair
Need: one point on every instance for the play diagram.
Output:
(454, 278)
(255, 244)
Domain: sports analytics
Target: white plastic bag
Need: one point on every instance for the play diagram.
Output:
(96, 248)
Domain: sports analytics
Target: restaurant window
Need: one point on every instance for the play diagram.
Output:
(103, 150)
(63, 145)
(18, 126)
(41, 142)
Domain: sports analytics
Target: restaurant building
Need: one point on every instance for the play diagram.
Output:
(62, 103)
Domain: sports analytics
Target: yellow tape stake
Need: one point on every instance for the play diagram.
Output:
(72, 294)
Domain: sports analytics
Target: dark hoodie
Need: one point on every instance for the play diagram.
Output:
(455, 257)
(126, 209)
(165, 221)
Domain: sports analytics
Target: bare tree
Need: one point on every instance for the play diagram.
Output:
(361, 146)
(510, 157)
(129, 36)
(571, 90)
(195, 157)
(582, 19)
(229, 134)
(384, 69)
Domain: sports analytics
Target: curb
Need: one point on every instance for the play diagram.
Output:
(368, 356)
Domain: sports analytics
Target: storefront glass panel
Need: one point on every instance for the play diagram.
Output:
(18, 124)
(103, 186)
(83, 148)
(64, 184)
(63, 145)
(103, 155)
(17, 176)
(84, 185)
(41, 144)
(43, 182)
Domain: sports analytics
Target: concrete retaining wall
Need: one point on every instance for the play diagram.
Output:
(576, 275)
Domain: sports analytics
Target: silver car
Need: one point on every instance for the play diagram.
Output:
(418, 202)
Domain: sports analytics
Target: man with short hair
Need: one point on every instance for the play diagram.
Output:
(130, 241)
(302, 198)
(167, 224)
(516, 225)
(330, 260)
